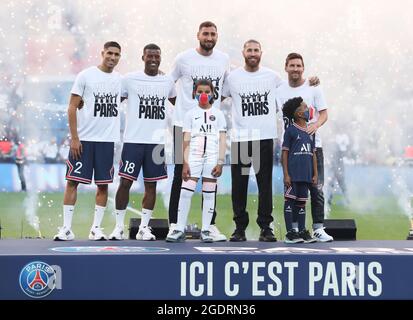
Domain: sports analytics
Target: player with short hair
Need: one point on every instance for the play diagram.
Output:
(94, 124)
(144, 138)
(252, 89)
(299, 162)
(298, 86)
(203, 62)
(204, 151)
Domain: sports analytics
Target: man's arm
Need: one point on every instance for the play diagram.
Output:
(75, 145)
(322, 118)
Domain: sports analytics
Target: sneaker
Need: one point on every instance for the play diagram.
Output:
(322, 236)
(176, 236)
(216, 234)
(306, 236)
(238, 236)
(146, 234)
(172, 227)
(206, 236)
(64, 234)
(266, 235)
(97, 234)
(117, 234)
(293, 236)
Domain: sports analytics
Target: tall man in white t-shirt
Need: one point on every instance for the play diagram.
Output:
(94, 124)
(254, 127)
(144, 138)
(192, 65)
(298, 86)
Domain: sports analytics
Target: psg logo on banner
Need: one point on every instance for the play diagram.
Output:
(37, 279)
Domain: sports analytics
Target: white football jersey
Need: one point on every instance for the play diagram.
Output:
(189, 67)
(253, 103)
(146, 115)
(205, 127)
(98, 120)
(312, 96)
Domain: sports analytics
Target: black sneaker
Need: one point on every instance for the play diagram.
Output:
(266, 235)
(238, 236)
(293, 236)
(306, 236)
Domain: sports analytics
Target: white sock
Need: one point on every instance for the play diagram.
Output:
(120, 218)
(146, 216)
(183, 209)
(67, 216)
(97, 219)
(208, 208)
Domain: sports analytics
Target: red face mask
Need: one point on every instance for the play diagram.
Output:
(203, 99)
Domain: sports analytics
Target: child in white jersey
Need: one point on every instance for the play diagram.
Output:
(204, 151)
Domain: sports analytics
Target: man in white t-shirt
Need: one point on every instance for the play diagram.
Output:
(94, 124)
(144, 138)
(298, 86)
(192, 65)
(254, 128)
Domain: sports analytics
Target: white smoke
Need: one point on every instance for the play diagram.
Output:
(31, 203)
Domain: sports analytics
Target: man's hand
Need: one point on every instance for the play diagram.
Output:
(314, 180)
(76, 148)
(186, 173)
(314, 81)
(312, 128)
(217, 171)
(287, 181)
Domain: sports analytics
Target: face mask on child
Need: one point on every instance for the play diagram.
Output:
(203, 98)
(306, 115)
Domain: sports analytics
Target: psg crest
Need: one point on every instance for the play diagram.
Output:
(37, 279)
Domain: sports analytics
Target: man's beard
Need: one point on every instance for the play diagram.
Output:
(207, 48)
(252, 65)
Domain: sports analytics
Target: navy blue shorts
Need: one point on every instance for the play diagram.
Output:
(298, 191)
(97, 158)
(150, 157)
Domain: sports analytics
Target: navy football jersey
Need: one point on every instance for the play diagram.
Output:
(300, 146)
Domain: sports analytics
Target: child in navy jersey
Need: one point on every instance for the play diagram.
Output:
(300, 169)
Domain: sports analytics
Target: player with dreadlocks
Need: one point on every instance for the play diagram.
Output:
(299, 163)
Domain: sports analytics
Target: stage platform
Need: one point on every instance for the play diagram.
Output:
(44, 269)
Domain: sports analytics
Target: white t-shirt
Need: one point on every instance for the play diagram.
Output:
(204, 126)
(98, 120)
(253, 103)
(146, 116)
(312, 96)
(191, 66)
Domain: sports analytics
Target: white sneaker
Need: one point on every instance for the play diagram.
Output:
(97, 234)
(172, 227)
(176, 236)
(322, 236)
(216, 234)
(64, 234)
(145, 233)
(206, 236)
(117, 234)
